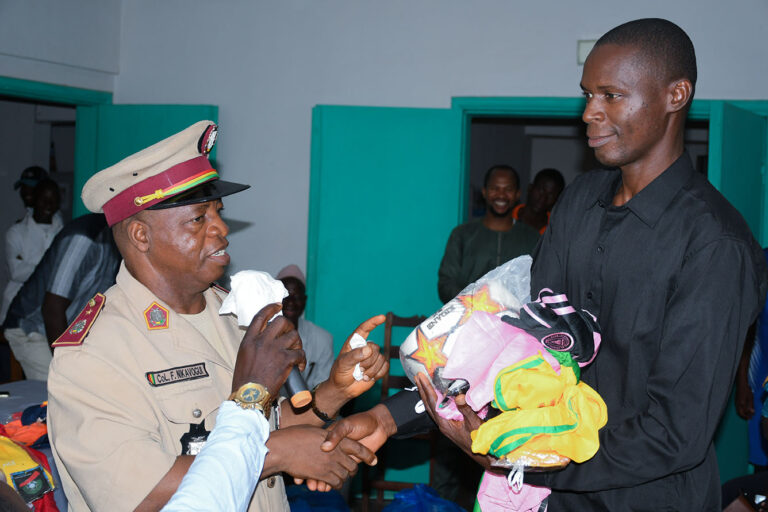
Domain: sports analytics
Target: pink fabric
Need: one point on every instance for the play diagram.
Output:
(449, 411)
(486, 346)
(495, 495)
(597, 338)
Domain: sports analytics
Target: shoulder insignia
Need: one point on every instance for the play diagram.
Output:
(78, 329)
(156, 317)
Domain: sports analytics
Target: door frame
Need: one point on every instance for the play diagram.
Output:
(65, 95)
(42, 91)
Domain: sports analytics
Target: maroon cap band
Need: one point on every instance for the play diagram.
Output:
(134, 199)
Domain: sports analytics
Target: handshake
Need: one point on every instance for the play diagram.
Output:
(302, 447)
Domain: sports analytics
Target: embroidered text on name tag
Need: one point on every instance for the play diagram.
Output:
(178, 374)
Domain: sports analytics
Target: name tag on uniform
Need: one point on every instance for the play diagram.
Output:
(177, 374)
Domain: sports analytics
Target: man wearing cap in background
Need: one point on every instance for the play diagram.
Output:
(132, 403)
(316, 341)
(30, 177)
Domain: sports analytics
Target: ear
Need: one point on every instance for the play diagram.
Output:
(680, 94)
(138, 235)
(517, 195)
(483, 191)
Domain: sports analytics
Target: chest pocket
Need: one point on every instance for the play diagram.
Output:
(190, 403)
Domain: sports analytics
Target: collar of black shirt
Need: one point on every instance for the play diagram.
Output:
(651, 202)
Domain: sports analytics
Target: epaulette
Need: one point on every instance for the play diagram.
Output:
(78, 329)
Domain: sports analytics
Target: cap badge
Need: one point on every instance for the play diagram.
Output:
(181, 186)
(208, 139)
(156, 317)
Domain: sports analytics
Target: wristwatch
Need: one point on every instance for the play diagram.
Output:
(251, 396)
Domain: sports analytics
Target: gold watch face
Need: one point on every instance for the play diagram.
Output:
(252, 394)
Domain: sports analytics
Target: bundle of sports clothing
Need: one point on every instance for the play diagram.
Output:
(518, 363)
(22, 466)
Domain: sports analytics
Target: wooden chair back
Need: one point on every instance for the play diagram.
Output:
(374, 478)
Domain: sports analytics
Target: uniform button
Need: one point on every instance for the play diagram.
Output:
(271, 482)
(600, 249)
(197, 413)
(589, 295)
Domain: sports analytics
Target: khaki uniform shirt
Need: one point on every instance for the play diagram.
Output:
(120, 402)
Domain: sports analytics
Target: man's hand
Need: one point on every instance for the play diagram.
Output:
(372, 362)
(744, 400)
(54, 310)
(268, 351)
(341, 386)
(459, 432)
(370, 428)
(296, 451)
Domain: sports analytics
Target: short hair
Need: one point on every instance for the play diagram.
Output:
(47, 184)
(501, 167)
(550, 174)
(662, 41)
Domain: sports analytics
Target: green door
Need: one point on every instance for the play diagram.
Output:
(384, 196)
(106, 134)
(737, 163)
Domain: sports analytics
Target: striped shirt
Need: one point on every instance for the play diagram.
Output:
(81, 261)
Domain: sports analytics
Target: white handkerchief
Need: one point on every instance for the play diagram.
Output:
(251, 291)
(357, 341)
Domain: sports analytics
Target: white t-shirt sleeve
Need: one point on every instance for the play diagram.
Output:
(19, 266)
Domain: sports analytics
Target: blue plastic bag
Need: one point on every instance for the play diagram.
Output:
(302, 499)
(421, 498)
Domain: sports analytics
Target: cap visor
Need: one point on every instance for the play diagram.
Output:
(206, 192)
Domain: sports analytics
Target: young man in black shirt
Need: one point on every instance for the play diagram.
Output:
(669, 267)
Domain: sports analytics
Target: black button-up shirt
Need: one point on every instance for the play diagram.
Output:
(675, 278)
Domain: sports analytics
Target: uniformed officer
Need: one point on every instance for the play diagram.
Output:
(131, 403)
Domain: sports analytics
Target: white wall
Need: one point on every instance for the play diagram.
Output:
(266, 64)
(73, 43)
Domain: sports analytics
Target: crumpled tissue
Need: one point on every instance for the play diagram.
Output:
(251, 291)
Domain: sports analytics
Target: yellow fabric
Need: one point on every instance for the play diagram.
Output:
(545, 413)
(531, 383)
(14, 458)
